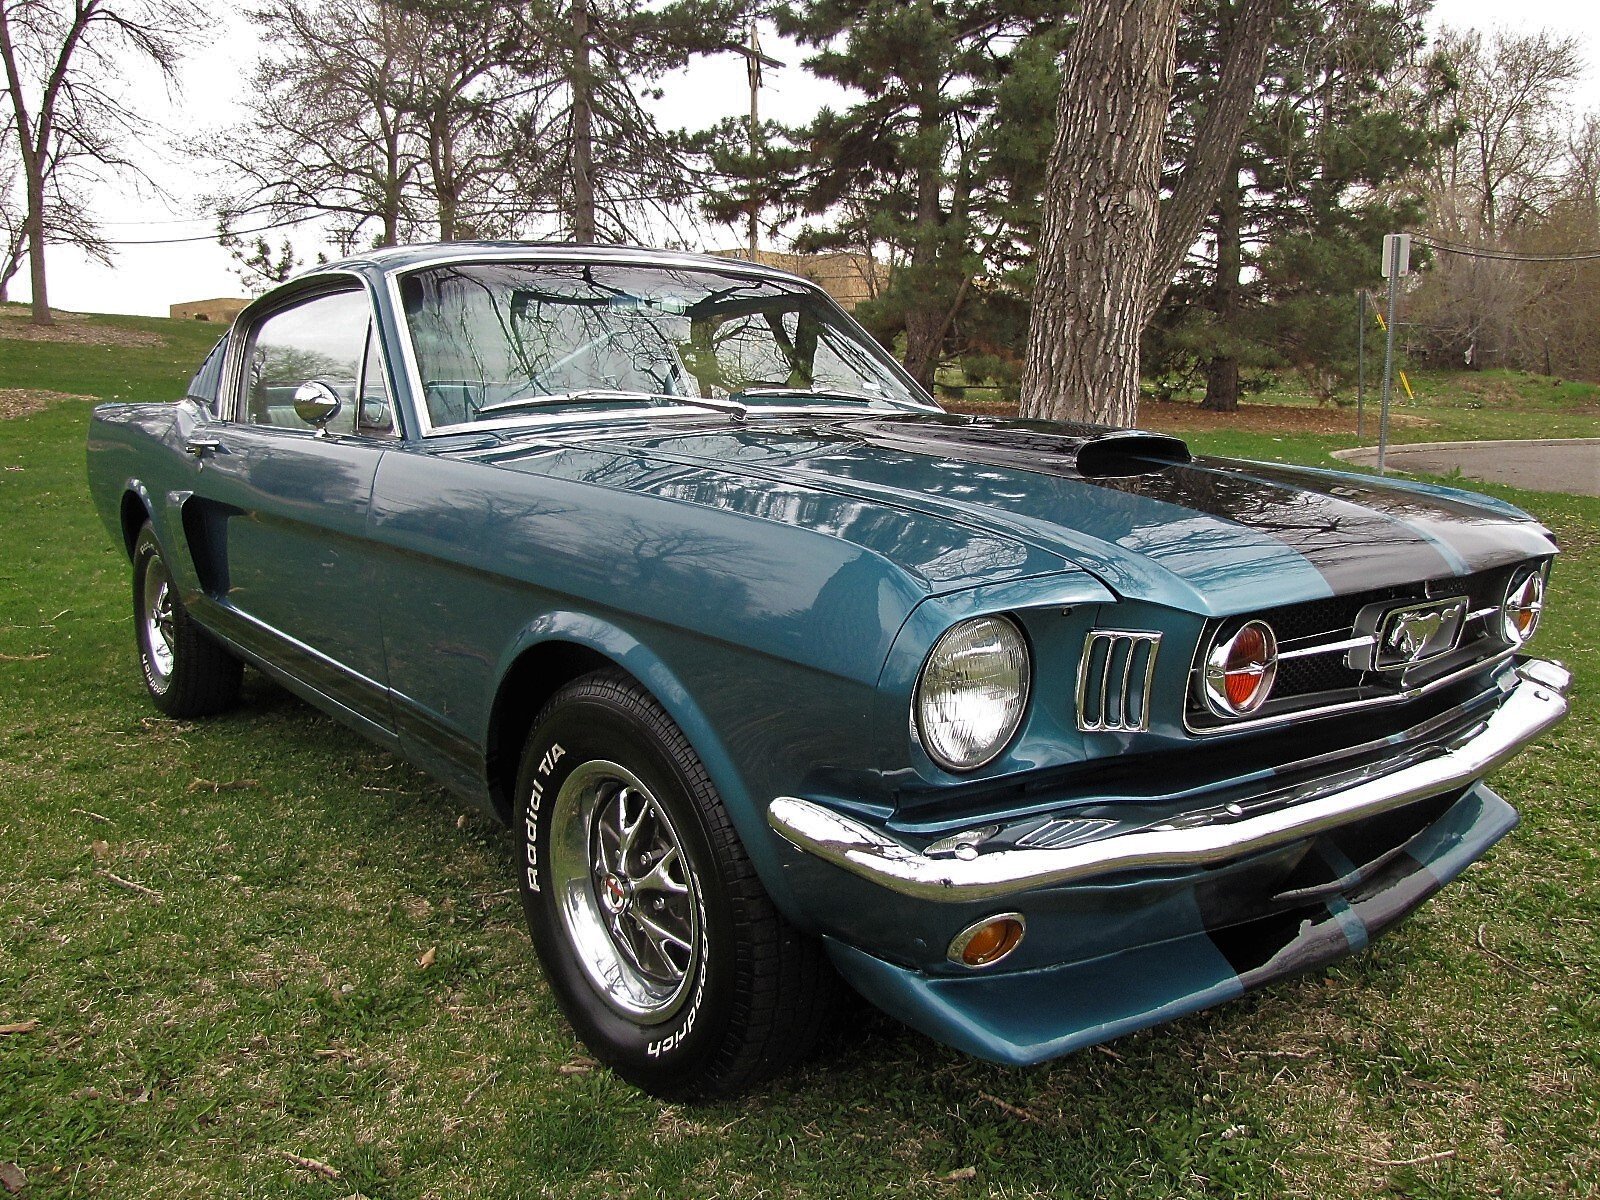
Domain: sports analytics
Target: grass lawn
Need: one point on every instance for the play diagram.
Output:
(213, 938)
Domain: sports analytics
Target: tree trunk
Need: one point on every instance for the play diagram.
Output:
(583, 219)
(925, 319)
(1222, 372)
(1098, 243)
(1248, 35)
(36, 278)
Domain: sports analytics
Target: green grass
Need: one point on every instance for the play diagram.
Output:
(271, 1004)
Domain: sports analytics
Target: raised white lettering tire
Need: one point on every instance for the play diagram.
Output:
(187, 672)
(656, 936)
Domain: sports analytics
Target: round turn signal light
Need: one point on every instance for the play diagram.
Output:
(1240, 670)
(988, 941)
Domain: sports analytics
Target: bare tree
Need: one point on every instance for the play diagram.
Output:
(1110, 246)
(394, 119)
(1509, 110)
(62, 60)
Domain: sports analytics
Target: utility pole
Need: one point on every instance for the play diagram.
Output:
(754, 60)
(1396, 262)
(583, 216)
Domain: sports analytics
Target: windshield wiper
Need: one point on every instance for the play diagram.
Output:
(764, 389)
(608, 396)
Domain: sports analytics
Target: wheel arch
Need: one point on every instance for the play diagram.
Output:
(557, 649)
(133, 512)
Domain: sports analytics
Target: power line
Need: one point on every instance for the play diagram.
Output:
(211, 237)
(1493, 254)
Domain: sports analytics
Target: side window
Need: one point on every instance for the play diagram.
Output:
(375, 417)
(323, 339)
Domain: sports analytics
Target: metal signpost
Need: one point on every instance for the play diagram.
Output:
(1396, 262)
(1361, 363)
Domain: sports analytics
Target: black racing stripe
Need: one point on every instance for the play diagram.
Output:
(1352, 545)
(1281, 943)
(1391, 894)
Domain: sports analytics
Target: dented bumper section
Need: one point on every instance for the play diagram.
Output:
(1535, 703)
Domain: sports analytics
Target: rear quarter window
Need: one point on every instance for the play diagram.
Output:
(207, 381)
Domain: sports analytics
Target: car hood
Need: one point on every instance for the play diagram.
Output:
(1135, 509)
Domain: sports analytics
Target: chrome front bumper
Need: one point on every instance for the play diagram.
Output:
(1536, 702)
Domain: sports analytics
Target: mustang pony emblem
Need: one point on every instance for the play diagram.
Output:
(1418, 632)
(1411, 632)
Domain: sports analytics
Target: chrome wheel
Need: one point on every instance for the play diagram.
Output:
(626, 892)
(160, 632)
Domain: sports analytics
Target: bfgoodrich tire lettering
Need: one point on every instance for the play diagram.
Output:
(187, 672)
(656, 936)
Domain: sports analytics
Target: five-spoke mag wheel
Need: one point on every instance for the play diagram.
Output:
(657, 938)
(627, 895)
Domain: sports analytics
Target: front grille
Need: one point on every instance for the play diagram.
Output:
(1326, 678)
(1114, 680)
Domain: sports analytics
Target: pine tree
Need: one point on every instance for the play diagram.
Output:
(910, 169)
(1338, 122)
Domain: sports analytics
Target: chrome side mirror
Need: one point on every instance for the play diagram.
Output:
(316, 403)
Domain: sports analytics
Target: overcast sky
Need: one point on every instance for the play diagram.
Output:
(148, 278)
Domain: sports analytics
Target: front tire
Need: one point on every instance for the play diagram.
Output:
(187, 672)
(662, 947)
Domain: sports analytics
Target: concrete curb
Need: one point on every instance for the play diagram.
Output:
(1366, 454)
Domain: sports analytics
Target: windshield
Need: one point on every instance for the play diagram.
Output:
(498, 341)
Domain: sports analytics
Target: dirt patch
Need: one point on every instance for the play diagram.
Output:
(1179, 417)
(73, 328)
(20, 402)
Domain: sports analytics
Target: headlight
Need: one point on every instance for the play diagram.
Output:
(1519, 612)
(1240, 669)
(973, 689)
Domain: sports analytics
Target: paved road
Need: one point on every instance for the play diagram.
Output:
(1564, 465)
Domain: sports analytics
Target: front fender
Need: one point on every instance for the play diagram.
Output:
(745, 810)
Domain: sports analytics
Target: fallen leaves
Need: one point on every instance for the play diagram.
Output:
(19, 1027)
(960, 1174)
(428, 955)
(12, 1178)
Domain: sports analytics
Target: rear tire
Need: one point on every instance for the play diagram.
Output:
(187, 672)
(658, 939)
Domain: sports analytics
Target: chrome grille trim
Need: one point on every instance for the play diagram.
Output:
(1063, 831)
(1115, 672)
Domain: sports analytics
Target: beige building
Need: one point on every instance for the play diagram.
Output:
(220, 311)
(848, 277)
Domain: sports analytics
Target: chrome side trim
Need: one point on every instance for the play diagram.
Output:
(1533, 705)
(1107, 700)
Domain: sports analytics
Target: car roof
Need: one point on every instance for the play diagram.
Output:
(391, 259)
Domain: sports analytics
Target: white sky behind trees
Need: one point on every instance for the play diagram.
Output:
(147, 279)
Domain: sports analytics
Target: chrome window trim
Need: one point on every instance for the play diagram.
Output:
(619, 257)
(230, 390)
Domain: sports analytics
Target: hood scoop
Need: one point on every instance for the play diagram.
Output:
(1049, 447)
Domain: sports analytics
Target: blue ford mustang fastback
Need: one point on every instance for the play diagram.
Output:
(1034, 734)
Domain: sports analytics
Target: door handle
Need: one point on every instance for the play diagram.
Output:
(200, 445)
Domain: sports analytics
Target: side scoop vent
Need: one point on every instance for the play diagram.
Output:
(1114, 678)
